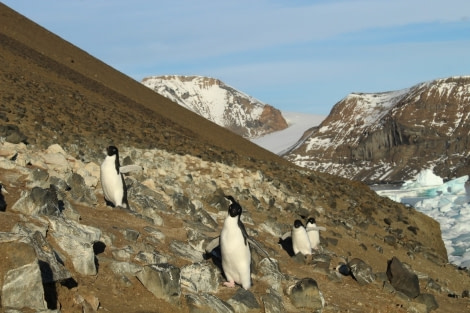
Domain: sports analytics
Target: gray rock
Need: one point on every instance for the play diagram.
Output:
(123, 254)
(201, 277)
(273, 302)
(12, 134)
(125, 268)
(131, 234)
(207, 303)
(306, 294)
(80, 191)
(361, 271)
(51, 269)
(152, 231)
(271, 274)
(148, 258)
(402, 279)
(38, 201)
(186, 251)
(76, 241)
(22, 288)
(145, 199)
(428, 300)
(244, 301)
(162, 280)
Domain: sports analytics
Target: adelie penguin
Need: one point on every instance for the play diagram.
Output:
(300, 240)
(313, 232)
(112, 179)
(235, 250)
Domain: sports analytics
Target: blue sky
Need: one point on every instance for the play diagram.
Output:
(299, 56)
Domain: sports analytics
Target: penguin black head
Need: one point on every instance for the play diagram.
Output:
(112, 150)
(311, 220)
(298, 223)
(234, 209)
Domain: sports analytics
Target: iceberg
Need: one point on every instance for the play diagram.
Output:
(446, 202)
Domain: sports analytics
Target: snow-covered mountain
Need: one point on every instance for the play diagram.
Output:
(391, 136)
(219, 103)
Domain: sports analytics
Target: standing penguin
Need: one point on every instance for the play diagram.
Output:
(313, 233)
(236, 255)
(300, 241)
(112, 180)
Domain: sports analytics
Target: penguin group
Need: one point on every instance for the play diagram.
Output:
(305, 239)
(233, 242)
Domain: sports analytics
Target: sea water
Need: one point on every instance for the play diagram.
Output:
(446, 202)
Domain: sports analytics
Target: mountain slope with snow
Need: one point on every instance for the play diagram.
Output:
(282, 141)
(391, 136)
(219, 103)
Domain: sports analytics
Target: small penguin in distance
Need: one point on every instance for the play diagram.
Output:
(112, 179)
(313, 232)
(235, 250)
(3, 204)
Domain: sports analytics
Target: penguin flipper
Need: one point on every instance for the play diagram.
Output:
(286, 235)
(243, 229)
(257, 246)
(130, 168)
(316, 228)
(214, 243)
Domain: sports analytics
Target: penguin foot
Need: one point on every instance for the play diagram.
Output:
(229, 284)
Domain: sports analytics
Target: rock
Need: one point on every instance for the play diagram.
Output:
(244, 301)
(12, 134)
(402, 279)
(306, 294)
(131, 234)
(207, 303)
(80, 191)
(38, 201)
(361, 271)
(21, 283)
(77, 241)
(201, 277)
(271, 274)
(273, 302)
(162, 280)
(428, 300)
(186, 251)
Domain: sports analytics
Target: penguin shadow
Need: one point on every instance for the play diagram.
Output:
(286, 245)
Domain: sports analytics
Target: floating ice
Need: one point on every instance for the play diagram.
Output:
(448, 203)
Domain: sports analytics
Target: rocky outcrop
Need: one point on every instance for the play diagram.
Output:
(60, 238)
(391, 136)
(219, 103)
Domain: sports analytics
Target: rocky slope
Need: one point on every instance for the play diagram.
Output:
(64, 250)
(219, 103)
(391, 136)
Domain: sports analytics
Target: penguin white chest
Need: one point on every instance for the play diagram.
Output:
(111, 181)
(236, 256)
(313, 236)
(300, 241)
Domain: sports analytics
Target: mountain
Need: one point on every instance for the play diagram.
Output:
(392, 136)
(219, 103)
(64, 249)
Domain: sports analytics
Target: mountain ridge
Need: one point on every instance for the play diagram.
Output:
(219, 103)
(376, 137)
